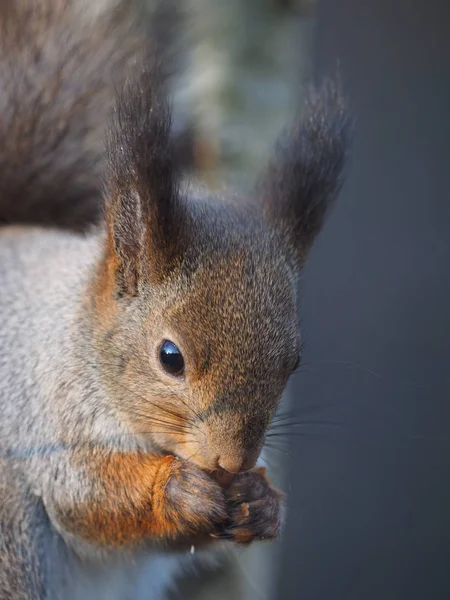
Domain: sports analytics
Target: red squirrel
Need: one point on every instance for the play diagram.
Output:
(141, 362)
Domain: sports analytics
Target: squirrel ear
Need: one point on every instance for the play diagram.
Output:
(144, 210)
(304, 174)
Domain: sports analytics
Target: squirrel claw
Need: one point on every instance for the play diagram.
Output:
(254, 509)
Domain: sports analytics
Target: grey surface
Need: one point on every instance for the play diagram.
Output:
(370, 478)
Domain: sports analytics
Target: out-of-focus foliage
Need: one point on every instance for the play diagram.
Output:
(242, 76)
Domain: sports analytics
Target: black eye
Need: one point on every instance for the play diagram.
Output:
(171, 358)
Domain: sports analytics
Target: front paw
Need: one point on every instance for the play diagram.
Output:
(190, 501)
(254, 508)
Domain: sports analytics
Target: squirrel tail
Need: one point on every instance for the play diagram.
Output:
(60, 61)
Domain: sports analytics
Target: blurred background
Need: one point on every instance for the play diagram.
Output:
(365, 460)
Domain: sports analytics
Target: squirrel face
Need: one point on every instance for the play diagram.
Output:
(195, 308)
(197, 363)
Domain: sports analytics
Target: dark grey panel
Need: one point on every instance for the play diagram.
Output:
(370, 478)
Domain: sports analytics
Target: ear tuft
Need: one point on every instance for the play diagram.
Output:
(143, 205)
(304, 175)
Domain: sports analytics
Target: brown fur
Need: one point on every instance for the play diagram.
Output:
(114, 450)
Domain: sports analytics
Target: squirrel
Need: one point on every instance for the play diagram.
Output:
(141, 360)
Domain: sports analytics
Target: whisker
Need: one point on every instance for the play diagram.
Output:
(300, 410)
(198, 415)
(152, 420)
(355, 365)
(189, 458)
(148, 401)
(148, 416)
(148, 433)
(159, 407)
(278, 449)
(366, 436)
(271, 466)
(284, 426)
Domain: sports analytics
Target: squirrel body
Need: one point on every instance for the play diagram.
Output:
(143, 359)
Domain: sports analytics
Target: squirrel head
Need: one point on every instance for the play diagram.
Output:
(195, 299)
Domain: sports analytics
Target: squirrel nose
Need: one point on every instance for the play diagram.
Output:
(236, 464)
